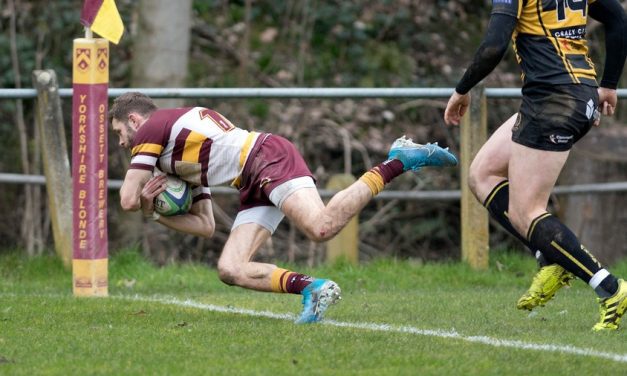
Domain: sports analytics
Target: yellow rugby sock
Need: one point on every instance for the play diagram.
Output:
(278, 280)
(380, 175)
(374, 181)
(285, 281)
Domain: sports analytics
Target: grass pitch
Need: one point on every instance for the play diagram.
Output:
(396, 318)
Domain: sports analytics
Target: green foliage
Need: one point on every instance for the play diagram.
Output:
(43, 40)
(258, 108)
(357, 43)
(44, 330)
(347, 43)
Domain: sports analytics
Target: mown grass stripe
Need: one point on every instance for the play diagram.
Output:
(485, 340)
(438, 333)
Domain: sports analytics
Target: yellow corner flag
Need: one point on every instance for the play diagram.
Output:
(103, 18)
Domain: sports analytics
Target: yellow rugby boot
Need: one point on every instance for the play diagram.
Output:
(612, 309)
(545, 284)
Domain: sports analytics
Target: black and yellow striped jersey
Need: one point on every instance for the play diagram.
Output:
(550, 40)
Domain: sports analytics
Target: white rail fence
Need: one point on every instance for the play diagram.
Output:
(308, 93)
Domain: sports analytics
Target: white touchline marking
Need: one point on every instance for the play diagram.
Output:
(485, 340)
(440, 333)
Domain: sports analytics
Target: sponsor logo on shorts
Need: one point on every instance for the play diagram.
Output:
(265, 181)
(592, 111)
(557, 139)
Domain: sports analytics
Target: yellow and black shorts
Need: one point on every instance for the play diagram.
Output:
(554, 117)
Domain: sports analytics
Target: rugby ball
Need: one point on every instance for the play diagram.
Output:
(176, 199)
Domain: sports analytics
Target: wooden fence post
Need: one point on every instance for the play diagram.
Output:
(56, 161)
(345, 243)
(474, 217)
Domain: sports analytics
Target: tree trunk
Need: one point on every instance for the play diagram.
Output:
(161, 45)
(598, 219)
(31, 231)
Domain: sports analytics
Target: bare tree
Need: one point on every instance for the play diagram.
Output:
(161, 45)
(31, 230)
(161, 42)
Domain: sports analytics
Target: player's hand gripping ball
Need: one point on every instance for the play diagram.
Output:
(176, 199)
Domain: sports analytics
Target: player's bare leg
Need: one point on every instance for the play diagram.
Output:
(488, 175)
(488, 180)
(319, 222)
(306, 209)
(489, 167)
(533, 174)
(235, 266)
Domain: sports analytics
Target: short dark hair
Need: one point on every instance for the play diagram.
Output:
(131, 102)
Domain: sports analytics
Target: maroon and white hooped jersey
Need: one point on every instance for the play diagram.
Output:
(197, 144)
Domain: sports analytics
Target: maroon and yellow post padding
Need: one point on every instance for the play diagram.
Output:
(89, 166)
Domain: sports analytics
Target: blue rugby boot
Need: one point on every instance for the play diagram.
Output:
(317, 297)
(414, 156)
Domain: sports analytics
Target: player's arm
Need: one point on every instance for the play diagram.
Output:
(490, 51)
(130, 193)
(197, 221)
(488, 55)
(612, 15)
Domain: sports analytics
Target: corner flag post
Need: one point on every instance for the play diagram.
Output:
(90, 79)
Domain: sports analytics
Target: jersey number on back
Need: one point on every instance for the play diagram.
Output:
(217, 119)
(561, 5)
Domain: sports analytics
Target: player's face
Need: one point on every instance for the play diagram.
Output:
(125, 133)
